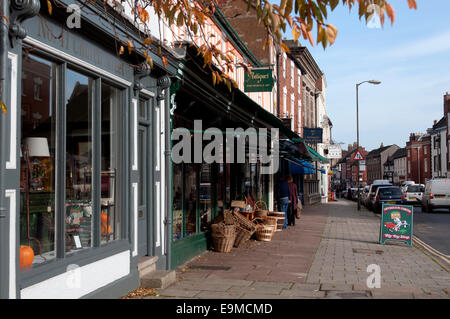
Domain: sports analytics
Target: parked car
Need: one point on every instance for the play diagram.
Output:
(364, 195)
(413, 194)
(436, 195)
(372, 190)
(405, 184)
(387, 195)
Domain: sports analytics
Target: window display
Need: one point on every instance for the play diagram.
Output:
(37, 185)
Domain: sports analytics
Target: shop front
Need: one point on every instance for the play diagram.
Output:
(81, 162)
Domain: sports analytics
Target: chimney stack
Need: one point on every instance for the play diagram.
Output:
(446, 103)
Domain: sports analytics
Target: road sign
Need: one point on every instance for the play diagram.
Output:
(396, 223)
(358, 156)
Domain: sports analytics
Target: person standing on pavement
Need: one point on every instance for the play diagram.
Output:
(283, 196)
(293, 200)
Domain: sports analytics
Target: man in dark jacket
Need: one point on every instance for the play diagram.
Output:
(283, 196)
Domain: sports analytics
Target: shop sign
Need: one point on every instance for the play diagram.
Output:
(334, 151)
(312, 135)
(258, 80)
(396, 223)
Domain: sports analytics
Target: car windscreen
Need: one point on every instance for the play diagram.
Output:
(391, 191)
(415, 189)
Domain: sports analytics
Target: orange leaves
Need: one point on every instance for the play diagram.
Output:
(390, 12)
(165, 62)
(130, 46)
(3, 107)
(412, 4)
(49, 7)
(147, 41)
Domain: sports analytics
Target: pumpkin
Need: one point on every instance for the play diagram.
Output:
(26, 256)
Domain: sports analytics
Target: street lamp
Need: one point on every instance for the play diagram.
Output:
(374, 82)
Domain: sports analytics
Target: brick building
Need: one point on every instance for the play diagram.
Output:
(418, 157)
(376, 159)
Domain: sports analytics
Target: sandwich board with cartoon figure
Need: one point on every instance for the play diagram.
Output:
(396, 223)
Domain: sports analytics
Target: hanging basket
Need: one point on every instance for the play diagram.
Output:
(264, 232)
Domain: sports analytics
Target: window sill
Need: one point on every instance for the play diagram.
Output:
(57, 267)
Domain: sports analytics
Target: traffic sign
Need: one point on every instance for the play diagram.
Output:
(358, 156)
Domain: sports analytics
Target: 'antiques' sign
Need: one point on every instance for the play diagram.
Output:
(312, 135)
(396, 223)
(258, 80)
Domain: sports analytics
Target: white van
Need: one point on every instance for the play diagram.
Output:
(436, 195)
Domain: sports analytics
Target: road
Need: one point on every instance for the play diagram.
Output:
(433, 229)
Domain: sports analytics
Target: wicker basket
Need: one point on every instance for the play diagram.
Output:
(223, 244)
(243, 222)
(223, 237)
(261, 209)
(223, 230)
(264, 232)
(270, 220)
(280, 223)
(277, 214)
(242, 235)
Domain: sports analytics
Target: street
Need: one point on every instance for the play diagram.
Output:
(433, 229)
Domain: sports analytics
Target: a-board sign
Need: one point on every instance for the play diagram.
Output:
(396, 223)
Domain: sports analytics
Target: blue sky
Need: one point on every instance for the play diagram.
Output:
(411, 58)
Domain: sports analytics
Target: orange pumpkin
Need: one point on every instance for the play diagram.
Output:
(26, 256)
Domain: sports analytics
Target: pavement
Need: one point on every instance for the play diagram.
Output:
(325, 255)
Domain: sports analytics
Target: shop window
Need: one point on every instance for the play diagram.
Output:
(205, 196)
(46, 224)
(191, 192)
(110, 216)
(177, 201)
(37, 180)
(79, 94)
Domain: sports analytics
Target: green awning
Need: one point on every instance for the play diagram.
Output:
(316, 156)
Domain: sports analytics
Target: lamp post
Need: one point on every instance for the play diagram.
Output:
(375, 82)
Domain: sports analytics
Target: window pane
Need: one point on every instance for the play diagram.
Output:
(191, 199)
(110, 216)
(177, 201)
(205, 196)
(79, 93)
(37, 166)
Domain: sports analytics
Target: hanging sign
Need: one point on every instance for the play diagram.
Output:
(334, 151)
(258, 80)
(396, 223)
(312, 135)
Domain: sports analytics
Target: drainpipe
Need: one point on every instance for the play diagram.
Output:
(278, 83)
(164, 83)
(3, 73)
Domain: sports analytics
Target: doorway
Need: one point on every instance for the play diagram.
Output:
(145, 189)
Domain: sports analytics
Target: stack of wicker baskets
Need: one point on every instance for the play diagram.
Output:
(223, 236)
(244, 228)
(280, 216)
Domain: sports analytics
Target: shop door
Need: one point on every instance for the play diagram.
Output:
(145, 196)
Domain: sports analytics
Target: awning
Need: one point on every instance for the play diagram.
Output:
(316, 156)
(300, 167)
